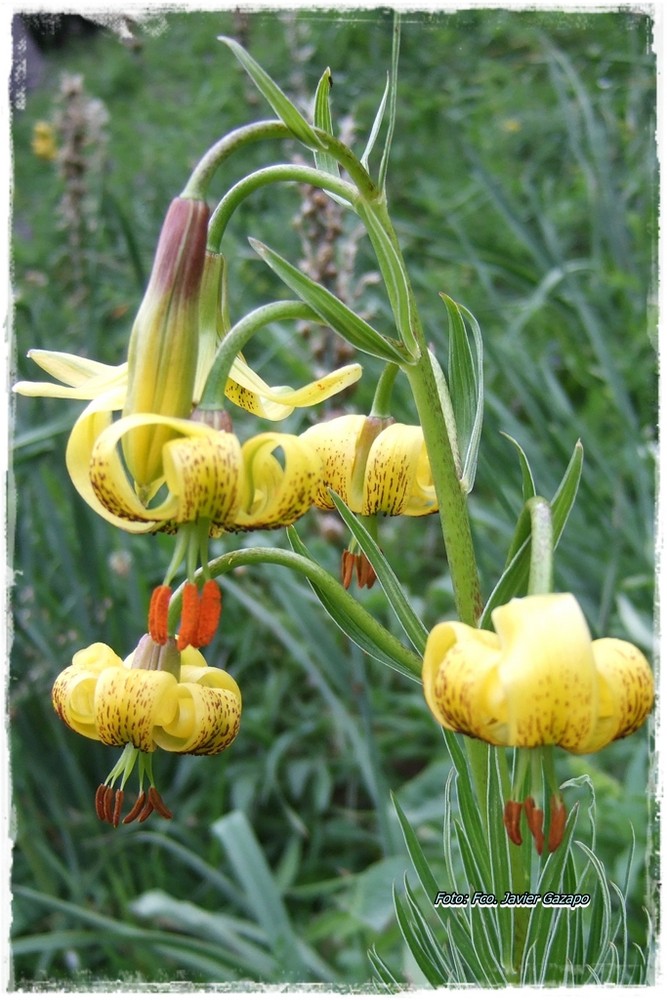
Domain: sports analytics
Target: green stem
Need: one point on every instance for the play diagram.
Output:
(452, 505)
(382, 399)
(453, 508)
(234, 342)
(325, 582)
(279, 173)
(200, 177)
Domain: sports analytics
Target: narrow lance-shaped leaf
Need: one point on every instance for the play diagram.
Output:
(279, 101)
(323, 121)
(375, 129)
(334, 312)
(387, 649)
(262, 894)
(393, 91)
(466, 385)
(393, 274)
(413, 626)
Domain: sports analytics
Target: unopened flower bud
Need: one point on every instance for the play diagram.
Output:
(162, 357)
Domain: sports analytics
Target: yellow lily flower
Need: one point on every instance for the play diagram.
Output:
(375, 466)
(209, 476)
(102, 697)
(172, 348)
(538, 680)
(156, 698)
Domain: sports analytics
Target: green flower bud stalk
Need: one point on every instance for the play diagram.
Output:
(162, 356)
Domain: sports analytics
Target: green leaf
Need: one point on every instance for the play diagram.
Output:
(528, 489)
(370, 902)
(279, 101)
(394, 276)
(515, 576)
(415, 938)
(466, 385)
(357, 331)
(375, 129)
(393, 93)
(391, 652)
(413, 626)
(263, 898)
(241, 937)
(322, 118)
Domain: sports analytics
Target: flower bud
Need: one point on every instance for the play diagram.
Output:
(162, 357)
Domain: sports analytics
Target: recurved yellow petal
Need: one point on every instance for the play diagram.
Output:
(130, 704)
(208, 713)
(95, 419)
(201, 468)
(398, 474)
(81, 377)
(337, 443)
(547, 671)
(249, 391)
(73, 693)
(626, 692)
(203, 474)
(281, 475)
(460, 677)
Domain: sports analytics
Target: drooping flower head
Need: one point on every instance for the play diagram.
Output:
(536, 682)
(375, 465)
(157, 698)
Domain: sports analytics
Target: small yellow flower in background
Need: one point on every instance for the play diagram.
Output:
(155, 698)
(538, 680)
(375, 466)
(44, 144)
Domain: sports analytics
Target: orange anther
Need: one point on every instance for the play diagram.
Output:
(346, 568)
(158, 803)
(117, 806)
(136, 808)
(365, 573)
(187, 635)
(210, 608)
(556, 823)
(99, 802)
(535, 819)
(512, 819)
(158, 613)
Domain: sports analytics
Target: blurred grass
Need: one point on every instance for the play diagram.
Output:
(523, 184)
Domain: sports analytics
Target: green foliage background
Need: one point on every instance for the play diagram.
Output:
(522, 183)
